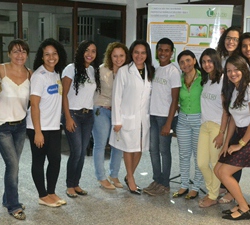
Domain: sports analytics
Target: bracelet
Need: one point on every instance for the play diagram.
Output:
(242, 143)
(221, 131)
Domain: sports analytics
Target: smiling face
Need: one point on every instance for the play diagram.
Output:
(89, 55)
(164, 53)
(207, 64)
(18, 55)
(139, 55)
(50, 58)
(245, 48)
(118, 57)
(232, 41)
(187, 63)
(234, 74)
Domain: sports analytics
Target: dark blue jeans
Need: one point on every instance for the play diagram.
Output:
(160, 150)
(12, 139)
(78, 142)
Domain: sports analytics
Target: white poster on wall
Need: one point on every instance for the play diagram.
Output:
(193, 27)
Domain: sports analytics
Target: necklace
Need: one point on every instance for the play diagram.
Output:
(188, 84)
(142, 72)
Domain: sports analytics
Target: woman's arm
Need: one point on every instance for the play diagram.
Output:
(35, 116)
(70, 123)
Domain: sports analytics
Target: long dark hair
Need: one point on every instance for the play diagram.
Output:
(228, 87)
(242, 38)
(60, 51)
(148, 61)
(81, 75)
(221, 44)
(216, 60)
(191, 54)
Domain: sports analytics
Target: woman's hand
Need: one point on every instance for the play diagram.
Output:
(117, 128)
(218, 140)
(234, 148)
(70, 125)
(39, 140)
(223, 151)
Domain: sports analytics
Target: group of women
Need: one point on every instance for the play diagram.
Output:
(213, 121)
(112, 101)
(34, 102)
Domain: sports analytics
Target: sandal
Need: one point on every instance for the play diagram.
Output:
(19, 215)
(223, 200)
(207, 203)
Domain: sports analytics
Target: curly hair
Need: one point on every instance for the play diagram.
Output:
(221, 49)
(148, 61)
(242, 38)
(81, 75)
(20, 43)
(216, 60)
(107, 55)
(228, 87)
(60, 51)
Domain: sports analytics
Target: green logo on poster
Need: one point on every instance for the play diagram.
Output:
(210, 12)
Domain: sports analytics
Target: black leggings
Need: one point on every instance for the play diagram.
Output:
(51, 149)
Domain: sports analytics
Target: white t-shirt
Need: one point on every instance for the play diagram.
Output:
(85, 96)
(48, 86)
(166, 78)
(211, 102)
(241, 115)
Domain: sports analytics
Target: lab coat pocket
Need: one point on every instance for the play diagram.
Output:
(128, 122)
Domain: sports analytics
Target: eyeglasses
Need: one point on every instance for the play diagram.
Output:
(228, 38)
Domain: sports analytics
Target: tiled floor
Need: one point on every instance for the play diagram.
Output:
(114, 207)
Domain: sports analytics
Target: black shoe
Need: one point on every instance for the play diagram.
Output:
(71, 195)
(136, 192)
(126, 181)
(177, 194)
(243, 216)
(191, 197)
(82, 192)
(228, 211)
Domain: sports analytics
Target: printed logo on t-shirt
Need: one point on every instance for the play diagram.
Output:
(209, 96)
(52, 89)
(160, 80)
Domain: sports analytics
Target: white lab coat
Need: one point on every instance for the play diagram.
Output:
(130, 108)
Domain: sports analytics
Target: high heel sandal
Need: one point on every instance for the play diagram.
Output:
(136, 192)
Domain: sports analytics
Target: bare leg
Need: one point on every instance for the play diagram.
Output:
(131, 161)
(225, 173)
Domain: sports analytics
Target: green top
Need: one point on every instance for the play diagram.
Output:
(189, 99)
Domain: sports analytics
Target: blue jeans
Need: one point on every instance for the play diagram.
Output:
(12, 139)
(101, 132)
(78, 142)
(160, 150)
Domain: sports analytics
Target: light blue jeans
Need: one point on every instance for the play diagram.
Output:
(101, 132)
(12, 139)
(160, 150)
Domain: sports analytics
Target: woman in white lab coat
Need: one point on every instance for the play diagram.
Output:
(130, 109)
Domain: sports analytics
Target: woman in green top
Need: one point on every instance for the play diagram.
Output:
(189, 121)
